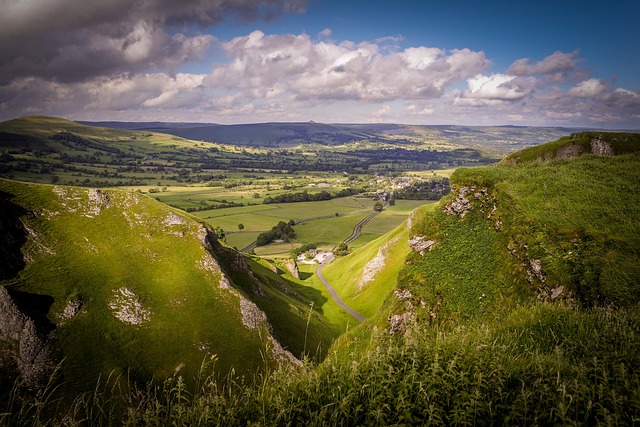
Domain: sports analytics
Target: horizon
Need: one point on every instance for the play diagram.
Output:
(542, 64)
(102, 122)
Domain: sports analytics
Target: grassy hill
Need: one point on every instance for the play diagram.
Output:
(113, 282)
(578, 144)
(518, 304)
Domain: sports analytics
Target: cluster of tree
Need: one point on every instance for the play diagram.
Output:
(207, 207)
(425, 190)
(282, 231)
(302, 249)
(306, 197)
(342, 249)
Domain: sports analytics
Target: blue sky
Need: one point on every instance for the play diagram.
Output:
(559, 63)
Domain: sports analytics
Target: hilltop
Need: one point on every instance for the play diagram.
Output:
(576, 145)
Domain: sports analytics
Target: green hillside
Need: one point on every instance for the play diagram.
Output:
(112, 282)
(578, 144)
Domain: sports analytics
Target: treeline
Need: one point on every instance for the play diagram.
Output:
(425, 190)
(306, 197)
(282, 231)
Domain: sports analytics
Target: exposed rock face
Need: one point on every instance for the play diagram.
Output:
(421, 244)
(402, 294)
(98, 201)
(373, 267)
(173, 219)
(461, 205)
(399, 322)
(127, 308)
(410, 220)
(282, 355)
(253, 317)
(32, 359)
(292, 267)
(71, 309)
(601, 147)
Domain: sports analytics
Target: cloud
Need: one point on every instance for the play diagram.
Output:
(589, 88)
(325, 70)
(74, 40)
(381, 114)
(419, 109)
(554, 63)
(498, 87)
(124, 60)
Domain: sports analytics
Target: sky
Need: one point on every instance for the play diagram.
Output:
(464, 62)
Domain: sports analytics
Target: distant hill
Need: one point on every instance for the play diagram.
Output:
(113, 282)
(498, 139)
(54, 150)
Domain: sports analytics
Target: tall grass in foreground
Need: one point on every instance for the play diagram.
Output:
(544, 364)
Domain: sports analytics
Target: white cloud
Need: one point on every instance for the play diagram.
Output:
(498, 87)
(305, 69)
(419, 110)
(589, 88)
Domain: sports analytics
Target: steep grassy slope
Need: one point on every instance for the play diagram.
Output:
(115, 281)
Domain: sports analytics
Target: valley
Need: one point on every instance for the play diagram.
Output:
(498, 280)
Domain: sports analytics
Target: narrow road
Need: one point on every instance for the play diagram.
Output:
(333, 292)
(357, 229)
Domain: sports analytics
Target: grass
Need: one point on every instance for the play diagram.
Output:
(79, 253)
(328, 232)
(581, 143)
(579, 370)
(579, 218)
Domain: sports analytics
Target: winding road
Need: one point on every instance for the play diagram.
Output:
(333, 292)
(357, 230)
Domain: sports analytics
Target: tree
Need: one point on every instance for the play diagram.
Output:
(240, 227)
(378, 206)
(343, 249)
(221, 234)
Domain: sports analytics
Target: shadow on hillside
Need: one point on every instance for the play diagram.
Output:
(305, 275)
(12, 236)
